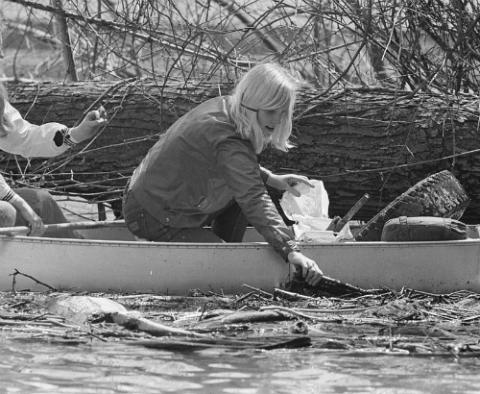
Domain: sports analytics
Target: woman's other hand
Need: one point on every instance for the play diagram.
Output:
(310, 271)
(289, 182)
(89, 126)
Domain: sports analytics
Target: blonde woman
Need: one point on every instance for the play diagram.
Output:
(28, 206)
(204, 170)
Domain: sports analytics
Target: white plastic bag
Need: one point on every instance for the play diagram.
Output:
(310, 211)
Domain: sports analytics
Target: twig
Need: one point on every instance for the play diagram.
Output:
(291, 296)
(17, 272)
(259, 291)
(245, 296)
(153, 328)
(299, 314)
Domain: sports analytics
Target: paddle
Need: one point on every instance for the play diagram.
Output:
(24, 230)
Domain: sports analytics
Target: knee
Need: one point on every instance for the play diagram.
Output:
(45, 202)
(34, 196)
(8, 214)
(43, 195)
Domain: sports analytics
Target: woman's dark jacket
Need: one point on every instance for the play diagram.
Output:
(198, 166)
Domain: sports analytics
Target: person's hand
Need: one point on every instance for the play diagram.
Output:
(289, 182)
(35, 222)
(90, 125)
(310, 271)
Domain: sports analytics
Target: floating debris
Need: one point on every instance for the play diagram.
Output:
(405, 323)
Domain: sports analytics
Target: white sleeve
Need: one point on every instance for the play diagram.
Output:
(6, 193)
(28, 140)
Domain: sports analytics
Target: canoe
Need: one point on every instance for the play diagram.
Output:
(109, 259)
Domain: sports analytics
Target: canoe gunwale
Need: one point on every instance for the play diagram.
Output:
(139, 244)
(234, 245)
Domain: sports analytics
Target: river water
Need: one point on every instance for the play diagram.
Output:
(27, 366)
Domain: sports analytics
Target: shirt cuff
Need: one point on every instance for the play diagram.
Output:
(8, 197)
(265, 174)
(63, 137)
(291, 246)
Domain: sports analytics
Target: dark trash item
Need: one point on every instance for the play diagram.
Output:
(439, 195)
(326, 287)
(423, 228)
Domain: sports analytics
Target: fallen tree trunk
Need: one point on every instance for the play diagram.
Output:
(357, 141)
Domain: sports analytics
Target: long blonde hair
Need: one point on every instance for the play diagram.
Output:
(5, 123)
(266, 86)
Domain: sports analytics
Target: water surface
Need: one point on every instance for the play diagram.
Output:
(27, 366)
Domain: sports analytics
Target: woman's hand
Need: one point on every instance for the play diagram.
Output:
(310, 271)
(89, 125)
(288, 182)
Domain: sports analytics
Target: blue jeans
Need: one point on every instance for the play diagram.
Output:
(227, 225)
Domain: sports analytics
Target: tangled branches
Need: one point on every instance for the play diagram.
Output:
(429, 45)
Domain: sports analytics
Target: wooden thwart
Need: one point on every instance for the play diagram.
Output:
(24, 230)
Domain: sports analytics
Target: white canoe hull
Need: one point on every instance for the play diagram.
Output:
(175, 268)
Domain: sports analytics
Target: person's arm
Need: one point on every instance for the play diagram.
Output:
(244, 177)
(49, 139)
(34, 221)
(266, 174)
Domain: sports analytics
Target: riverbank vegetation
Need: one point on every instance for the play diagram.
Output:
(427, 46)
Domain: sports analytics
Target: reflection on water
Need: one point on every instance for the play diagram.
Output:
(30, 367)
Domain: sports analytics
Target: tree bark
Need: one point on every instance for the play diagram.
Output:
(358, 141)
(61, 29)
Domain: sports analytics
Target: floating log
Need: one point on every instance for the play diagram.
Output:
(241, 317)
(263, 343)
(374, 141)
(134, 321)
